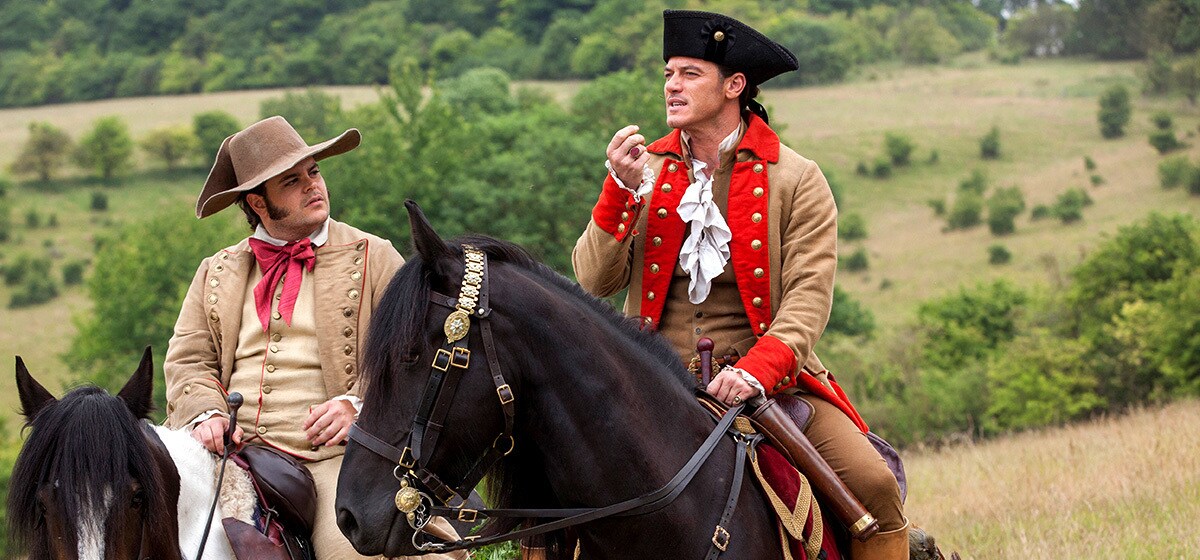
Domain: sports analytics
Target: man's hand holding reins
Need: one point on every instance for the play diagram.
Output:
(731, 388)
(211, 434)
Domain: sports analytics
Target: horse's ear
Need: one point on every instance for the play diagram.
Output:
(138, 392)
(427, 242)
(34, 397)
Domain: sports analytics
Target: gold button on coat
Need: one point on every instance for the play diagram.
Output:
(654, 268)
(360, 246)
(214, 282)
(787, 379)
(266, 389)
(756, 244)
(276, 337)
(349, 384)
(650, 295)
(756, 302)
(262, 430)
(762, 326)
(756, 217)
(657, 241)
(271, 368)
(356, 275)
(187, 389)
(758, 167)
(620, 228)
(219, 267)
(358, 260)
(348, 350)
(673, 167)
(348, 332)
(624, 216)
(213, 315)
(353, 294)
(349, 368)
(212, 298)
(758, 192)
(758, 273)
(276, 316)
(666, 187)
(662, 212)
(274, 348)
(347, 311)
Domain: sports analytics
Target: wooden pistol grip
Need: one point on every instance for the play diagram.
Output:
(787, 436)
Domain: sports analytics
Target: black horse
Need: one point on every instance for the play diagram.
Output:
(603, 413)
(91, 482)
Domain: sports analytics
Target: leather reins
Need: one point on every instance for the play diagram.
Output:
(449, 364)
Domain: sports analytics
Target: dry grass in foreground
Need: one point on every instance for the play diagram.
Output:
(1121, 487)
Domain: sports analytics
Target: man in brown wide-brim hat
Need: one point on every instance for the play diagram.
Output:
(280, 316)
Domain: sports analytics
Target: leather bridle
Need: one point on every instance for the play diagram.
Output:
(418, 482)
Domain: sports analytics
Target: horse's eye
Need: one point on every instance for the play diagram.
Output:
(137, 499)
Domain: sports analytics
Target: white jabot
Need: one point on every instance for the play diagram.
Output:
(318, 237)
(705, 252)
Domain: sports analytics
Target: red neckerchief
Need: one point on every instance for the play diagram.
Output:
(275, 261)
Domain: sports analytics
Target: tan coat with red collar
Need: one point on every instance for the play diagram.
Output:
(352, 269)
(783, 253)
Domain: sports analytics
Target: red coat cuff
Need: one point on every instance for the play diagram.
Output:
(616, 211)
(770, 361)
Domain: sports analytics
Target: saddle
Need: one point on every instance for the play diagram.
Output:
(287, 498)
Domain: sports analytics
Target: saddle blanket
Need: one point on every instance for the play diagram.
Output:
(803, 533)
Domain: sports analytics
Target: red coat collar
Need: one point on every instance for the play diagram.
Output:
(759, 139)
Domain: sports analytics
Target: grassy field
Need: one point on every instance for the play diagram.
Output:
(1045, 110)
(1122, 487)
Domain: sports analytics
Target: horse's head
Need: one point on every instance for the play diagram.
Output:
(87, 483)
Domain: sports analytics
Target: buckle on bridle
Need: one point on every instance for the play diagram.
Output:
(441, 360)
(512, 443)
(461, 357)
(468, 515)
(720, 538)
(406, 458)
(505, 393)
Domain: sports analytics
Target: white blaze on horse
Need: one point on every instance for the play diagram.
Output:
(96, 480)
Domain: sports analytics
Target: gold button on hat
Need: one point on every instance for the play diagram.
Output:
(719, 36)
(187, 389)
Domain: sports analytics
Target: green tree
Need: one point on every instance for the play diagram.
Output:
(316, 115)
(140, 277)
(612, 101)
(1040, 379)
(899, 148)
(920, 38)
(967, 211)
(211, 129)
(1186, 77)
(1041, 30)
(852, 226)
(1115, 111)
(849, 317)
(44, 152)
(170, 145)
(821, 48)
(107, 148)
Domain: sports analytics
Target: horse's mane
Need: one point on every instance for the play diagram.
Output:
(398, 326)
(87, 441)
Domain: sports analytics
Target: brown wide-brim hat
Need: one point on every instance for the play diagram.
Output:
(257, 153)
(726, 41)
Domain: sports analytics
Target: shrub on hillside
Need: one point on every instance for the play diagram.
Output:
(857, 261)
(989, 145)
(1173, 171)
(73, 273)
(1040, 212)
(999, 254)
(899, 148)
(33, 291)
(937, 205)
(6, 185)
(99, 201)
(1156, 74)
(6, 225)
(933, 157)
(107, 148)
(862, 169)
(1003, 207)
(1163, 136)
(1187, 77)
(44, 152)
(1115, 111)
(33, 218)
(1193, 181)
(1089, 164)
(1070, 204)
(966, 212)
(849, 317)
(852, 226)
(23, 267)
(882, 169)
(975, 184)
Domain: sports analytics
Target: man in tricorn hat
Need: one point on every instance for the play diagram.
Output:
(720, 231)
(279, 317)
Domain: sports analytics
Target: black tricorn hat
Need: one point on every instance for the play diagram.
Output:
(725, 41)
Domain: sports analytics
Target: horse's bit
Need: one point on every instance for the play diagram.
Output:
(449, 363)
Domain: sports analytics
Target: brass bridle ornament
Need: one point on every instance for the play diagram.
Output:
(421, 491)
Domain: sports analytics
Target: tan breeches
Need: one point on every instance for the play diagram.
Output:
(854, 459)
(327, 538)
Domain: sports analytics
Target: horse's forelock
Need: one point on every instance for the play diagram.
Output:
(90, 448)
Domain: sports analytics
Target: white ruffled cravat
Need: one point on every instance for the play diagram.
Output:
(705, 252)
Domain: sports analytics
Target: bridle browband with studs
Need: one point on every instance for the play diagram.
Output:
(418, 483)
